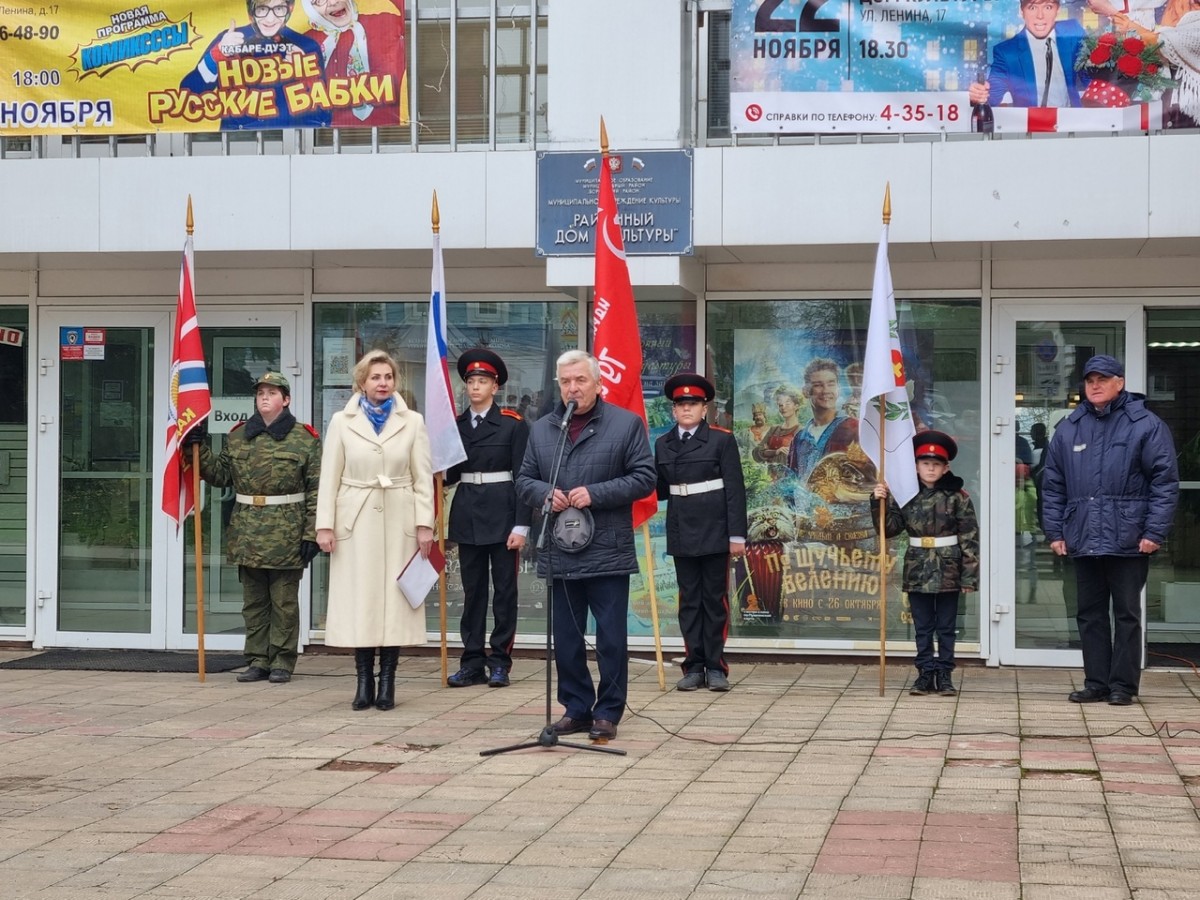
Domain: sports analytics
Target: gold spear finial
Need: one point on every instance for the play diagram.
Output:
(436, 216)
(603, 138)
(191, 222)
(887, 203)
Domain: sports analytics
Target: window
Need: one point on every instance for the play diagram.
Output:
(806, 574)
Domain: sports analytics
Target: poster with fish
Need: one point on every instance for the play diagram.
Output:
(812, 553)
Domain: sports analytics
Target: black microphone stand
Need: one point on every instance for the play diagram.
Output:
(548, 736)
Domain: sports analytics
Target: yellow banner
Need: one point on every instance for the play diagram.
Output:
(105, 67)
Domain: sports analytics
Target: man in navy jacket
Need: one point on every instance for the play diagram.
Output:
(1109, 491)
(606, 466)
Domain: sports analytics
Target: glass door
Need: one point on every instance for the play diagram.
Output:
(100, 440)
(111, 569)
(239, 347)
(1036, 383)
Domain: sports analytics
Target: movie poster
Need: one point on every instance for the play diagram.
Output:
(812, 555)
(104, 67)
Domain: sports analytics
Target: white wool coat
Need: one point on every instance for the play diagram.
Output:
(376, 489)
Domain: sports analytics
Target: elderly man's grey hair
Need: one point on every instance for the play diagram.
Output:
(571, 357)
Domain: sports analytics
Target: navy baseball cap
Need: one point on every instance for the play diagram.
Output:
(1103, 364)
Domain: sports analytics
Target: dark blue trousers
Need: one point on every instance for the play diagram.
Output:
(934, 613)
(1112, 645)
(607, 599)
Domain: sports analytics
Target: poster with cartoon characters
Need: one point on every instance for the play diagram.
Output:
(105, 67)
(812, 553)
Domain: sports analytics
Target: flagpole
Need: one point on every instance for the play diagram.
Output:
(658, 653)
(440, 504)
(196, 523)
(887, 220)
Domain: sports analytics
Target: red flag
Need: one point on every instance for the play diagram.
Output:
(615, 338)
(189, 401)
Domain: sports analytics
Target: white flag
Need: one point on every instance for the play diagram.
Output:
(883, 388)
(445, 443)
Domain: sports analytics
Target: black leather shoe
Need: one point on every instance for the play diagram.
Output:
(279, 676)
(466, 677)
(603, 730)
(692, 681)
(254, 673)
(1088, 695)
(499, 678)
(567, 725)
(717, 680)
(1120, 698)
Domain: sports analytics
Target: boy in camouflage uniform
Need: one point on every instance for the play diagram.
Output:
(274, 468)
(942, 559)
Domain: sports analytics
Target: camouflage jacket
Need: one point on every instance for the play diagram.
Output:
(939, 511)
(281, 458)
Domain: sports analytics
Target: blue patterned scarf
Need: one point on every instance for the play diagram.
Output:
(377, 414)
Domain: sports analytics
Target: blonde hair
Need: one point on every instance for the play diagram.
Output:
(373, 357)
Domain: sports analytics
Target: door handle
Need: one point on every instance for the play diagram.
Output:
(43, 421)
(42, 597)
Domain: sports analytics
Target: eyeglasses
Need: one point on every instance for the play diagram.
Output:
(281, 11)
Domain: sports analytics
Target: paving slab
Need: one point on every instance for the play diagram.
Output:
(801, 782)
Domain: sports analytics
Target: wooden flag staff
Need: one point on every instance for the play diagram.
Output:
(887, 220)
(649, 550)
(196, 523)
(439, 479)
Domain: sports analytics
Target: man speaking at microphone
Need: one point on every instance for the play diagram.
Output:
(606, 466)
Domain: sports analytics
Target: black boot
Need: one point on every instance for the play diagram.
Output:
(385, 697)
(364, 665)
(925, 684)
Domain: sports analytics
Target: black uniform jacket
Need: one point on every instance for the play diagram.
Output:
(701, 524)
(486, 513)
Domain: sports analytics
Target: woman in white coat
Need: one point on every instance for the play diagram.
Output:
(374, 511)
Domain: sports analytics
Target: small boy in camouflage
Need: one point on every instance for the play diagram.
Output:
(942, 559)
(273, 463)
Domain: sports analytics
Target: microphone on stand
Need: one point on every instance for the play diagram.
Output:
(570, 411)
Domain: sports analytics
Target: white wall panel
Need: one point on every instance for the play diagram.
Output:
(824, 194)
(15, 283)
(49, 205)
(355, 201)
(508, 201)
(239, 202)
(1173, 194)
(1043, 190)
(708, 193)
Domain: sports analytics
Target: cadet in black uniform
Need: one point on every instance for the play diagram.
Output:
(700, 477)
(487, 521)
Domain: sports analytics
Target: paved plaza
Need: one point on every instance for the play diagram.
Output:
(801, 782)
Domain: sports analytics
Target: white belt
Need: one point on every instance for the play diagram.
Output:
(928, 543)
(264, 500)
(700, 487)
(485, 477)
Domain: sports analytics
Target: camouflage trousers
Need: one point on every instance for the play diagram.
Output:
(271, 608)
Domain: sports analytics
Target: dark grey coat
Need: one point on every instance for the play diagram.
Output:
(612, 460)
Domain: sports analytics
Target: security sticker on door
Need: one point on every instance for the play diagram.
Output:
(81, 343)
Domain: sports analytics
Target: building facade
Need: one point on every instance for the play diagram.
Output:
(1014, 258)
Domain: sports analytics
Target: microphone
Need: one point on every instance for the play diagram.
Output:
(570, 411)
